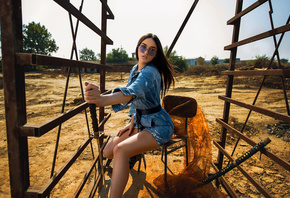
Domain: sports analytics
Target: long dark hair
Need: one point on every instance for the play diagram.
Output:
(165, 68)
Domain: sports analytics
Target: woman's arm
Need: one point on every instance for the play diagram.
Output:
(93, 95)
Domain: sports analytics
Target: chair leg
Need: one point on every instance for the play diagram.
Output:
(139, 165)
(186, 152)
(162, 153)
(140, 161)
(165, 164)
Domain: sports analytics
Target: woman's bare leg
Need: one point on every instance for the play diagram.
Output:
(109, 148)
(136, 144)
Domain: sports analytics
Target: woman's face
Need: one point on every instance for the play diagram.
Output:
(147, 51)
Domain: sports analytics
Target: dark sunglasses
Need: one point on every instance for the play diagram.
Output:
(143, 49)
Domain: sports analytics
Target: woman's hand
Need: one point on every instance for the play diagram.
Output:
(129, 127)
(93, 94)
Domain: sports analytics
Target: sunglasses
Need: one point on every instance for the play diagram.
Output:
(143, 49)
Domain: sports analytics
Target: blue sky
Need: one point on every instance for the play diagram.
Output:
(205, 34)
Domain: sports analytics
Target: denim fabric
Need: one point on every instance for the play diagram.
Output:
(145, 87)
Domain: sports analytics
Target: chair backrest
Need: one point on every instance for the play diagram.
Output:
(180, 106)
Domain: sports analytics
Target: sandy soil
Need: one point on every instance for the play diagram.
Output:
(44, 95)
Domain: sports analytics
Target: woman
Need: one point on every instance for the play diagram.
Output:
(150, 125)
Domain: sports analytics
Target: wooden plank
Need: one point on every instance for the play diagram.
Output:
(267, 112)
(269, 33)
(38, 130)
(71, 9)
(264, 191)
(225, 183)
(111, 15)
(59, 174)
(23, 59)
(14, 96)
(269, 154)
(89, 171)
(245, 11)
(269, 72)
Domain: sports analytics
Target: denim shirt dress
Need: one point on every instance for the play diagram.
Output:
(145, 87)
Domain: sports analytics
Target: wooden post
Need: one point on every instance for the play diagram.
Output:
(14, 92)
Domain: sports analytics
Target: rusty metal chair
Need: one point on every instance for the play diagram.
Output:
(178, 107)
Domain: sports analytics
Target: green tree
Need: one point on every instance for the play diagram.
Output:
(176, 60)
(214, 60)
(117, 56)
(284, 60)
(37, 39)
(87, 55)
(99, 56)
(261, 61)
(250, 62)
(226, 60)
(200, 61)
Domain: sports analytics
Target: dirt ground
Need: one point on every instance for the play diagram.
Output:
(44, 96)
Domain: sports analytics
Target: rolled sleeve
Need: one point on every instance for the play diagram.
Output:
(137, 89)
(119, 107)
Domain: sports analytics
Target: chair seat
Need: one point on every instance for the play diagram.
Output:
(175, 140)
